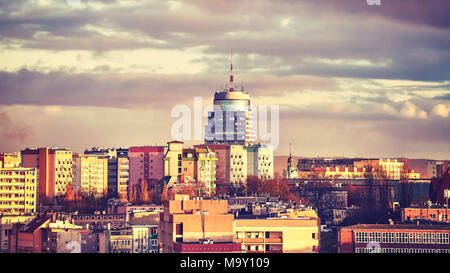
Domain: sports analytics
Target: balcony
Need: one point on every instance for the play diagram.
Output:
(254, 240)
(274, 240)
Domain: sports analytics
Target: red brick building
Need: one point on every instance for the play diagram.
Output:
(437, 214)
(394, 239)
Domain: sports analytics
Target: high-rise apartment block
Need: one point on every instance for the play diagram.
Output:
(146, 162)
(118, 170)
(90, 174)
(260, 161)
(54, 167)
(18, 190)
(231, 166)
(10, 160)
(190, 165)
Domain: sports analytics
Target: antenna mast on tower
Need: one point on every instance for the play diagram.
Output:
(231, 73)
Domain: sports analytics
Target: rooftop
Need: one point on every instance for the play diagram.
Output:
(400, 226)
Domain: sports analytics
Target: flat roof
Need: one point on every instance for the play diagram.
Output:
(400, 226)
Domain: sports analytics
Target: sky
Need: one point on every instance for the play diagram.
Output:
(350, 79)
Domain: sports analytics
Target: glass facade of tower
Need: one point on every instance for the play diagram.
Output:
(231, 120)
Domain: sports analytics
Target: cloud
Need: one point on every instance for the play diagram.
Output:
(411, 110)
(383, 44)
(440, 110)
(11, 131)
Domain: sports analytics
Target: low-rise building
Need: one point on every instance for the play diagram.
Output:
(196, 226)
(402, 238)
(7, 224)
(118, 241)
(278, 235)
(98, 221)
(432, 213)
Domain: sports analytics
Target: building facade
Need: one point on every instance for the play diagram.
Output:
(118, 170)
(90, 175)
(278, 235)
(18, 190)
(196, 226)
(54, 169)
(146, 162)
(436, 214)
(394, 239)
(231, 121)
(10, 160)
(260, 161)
(100, 221)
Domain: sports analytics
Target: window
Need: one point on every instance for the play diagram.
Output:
(428, 238)
(361, 237)
(401, 250)
(388, 250)
(375, 237)
(415, 238)
(441, 238)
(401, 237)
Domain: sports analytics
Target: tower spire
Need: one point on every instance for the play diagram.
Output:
(231, 73)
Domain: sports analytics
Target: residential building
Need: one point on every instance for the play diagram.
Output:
(436, 168)
(100, 221)
(388, 168)
(205, 169)
(146, 162)
(7, 224)
(54, 168)
(196, 226)
(90, 174)
(260, 161)
(231, 166)
(278, 235)
(30, 238)
(402, 238)
(118, 241)
(118, 170)
(173, 165)
(10, 160)
(231, 121)
(145, 238)
(440, 188)
(18, 190)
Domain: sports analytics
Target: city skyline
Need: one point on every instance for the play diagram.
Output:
(351, 79)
